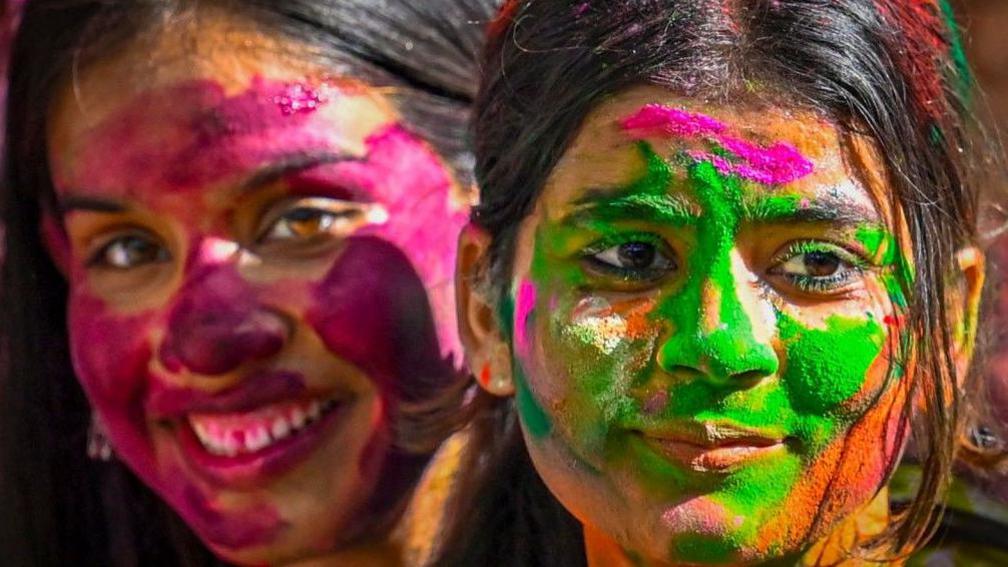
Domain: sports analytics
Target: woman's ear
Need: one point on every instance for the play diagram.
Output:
(967, 295)
(488, 354)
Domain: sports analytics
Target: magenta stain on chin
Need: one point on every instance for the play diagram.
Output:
(778, 164)
(253, 527)
(524, 305)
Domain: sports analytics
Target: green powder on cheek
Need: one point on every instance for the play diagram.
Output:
(730, 347)
(826, 367)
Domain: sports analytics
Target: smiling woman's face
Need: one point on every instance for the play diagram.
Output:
(259, 257)
(703, 316)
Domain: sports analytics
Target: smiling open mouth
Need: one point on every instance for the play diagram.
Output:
(229, 435)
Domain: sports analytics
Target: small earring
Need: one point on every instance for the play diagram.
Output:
(98, 446)
(495, 374)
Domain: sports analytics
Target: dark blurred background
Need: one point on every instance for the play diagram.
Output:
(986, 24)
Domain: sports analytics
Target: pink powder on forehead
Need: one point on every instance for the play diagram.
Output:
(777, 164)
(189, 135)
(299, 98)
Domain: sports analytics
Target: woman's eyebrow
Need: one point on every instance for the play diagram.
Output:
(293, 163)
(796, 209)
(600, 204)
(72, 203)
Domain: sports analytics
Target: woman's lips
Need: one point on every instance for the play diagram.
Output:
(230, 434)
(708, 447)
(243, 450)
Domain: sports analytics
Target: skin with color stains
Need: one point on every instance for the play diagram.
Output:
(259, 258)
(705, 309)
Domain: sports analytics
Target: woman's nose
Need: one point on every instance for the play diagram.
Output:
(718, 337)
(217, 324)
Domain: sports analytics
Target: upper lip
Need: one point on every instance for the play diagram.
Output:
(712, 435)
(254, 391)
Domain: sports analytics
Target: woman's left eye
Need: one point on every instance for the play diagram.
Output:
(818, 267)
(636, 260)
(304, 223)
(310, 219)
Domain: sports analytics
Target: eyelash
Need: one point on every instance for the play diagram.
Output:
(852, 265)
(629, 274)
(99, 258)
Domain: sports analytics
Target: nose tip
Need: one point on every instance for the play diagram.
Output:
(218, 324)
(218, 345)
(723, 357)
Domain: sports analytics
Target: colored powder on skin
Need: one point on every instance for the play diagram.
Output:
(828, 366)
(485, 375)
(524, 307)
(778, 164)
(729, 348)
(535, 419)
(533, 416)
(606, 326)
(299, 98)
(899, 273)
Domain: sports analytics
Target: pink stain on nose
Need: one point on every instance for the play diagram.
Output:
(777, 164)
(217, 325)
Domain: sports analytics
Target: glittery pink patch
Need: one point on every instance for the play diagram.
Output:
(524, 305)
(299, 98)
(778, 164)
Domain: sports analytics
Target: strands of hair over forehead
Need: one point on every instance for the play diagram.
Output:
(890, 69)
(60, 507)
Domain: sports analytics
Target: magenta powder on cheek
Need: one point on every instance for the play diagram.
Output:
(408, 180)
(778, 164)
(524, 306)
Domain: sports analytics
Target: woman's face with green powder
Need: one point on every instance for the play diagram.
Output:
(703, 317)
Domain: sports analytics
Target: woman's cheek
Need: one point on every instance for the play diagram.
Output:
(600, 349)
(371, 310)
(111, 356)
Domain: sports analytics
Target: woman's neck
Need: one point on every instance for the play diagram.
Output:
(870, 521)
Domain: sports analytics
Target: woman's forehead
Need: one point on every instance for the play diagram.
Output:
(227, 99)
(785, 150)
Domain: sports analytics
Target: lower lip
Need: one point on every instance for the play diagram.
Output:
(251, 470)
(707, 459)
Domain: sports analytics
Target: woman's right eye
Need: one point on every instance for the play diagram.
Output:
(635, 260)
(129, 251)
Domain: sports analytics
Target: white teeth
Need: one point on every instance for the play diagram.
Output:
(258, 440)
(298, 418)
(281, 429)
(230, 447)
(233, 434)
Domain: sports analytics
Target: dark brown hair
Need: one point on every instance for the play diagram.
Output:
(890, 69)
(59, 507)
